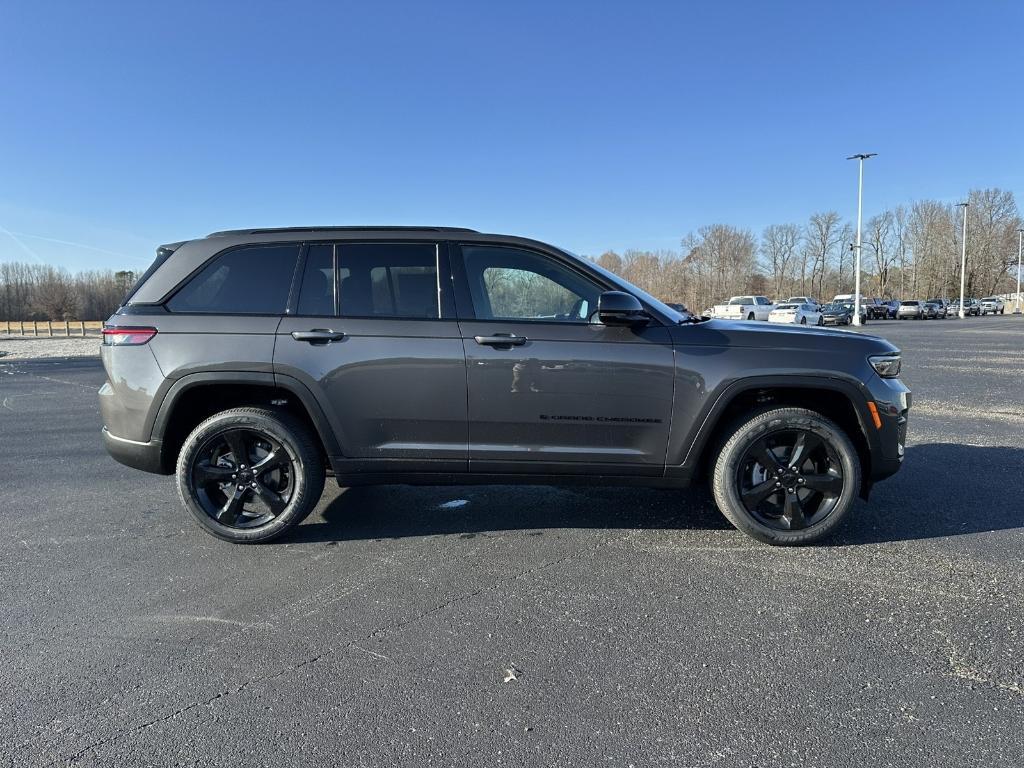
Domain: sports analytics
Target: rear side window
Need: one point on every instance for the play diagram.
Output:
(388, 280)
(316, 296)
(254, 280)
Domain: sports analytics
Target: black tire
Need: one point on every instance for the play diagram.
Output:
(803, 321)
(821, 320)
(750, 316)
(781, 517)
(267, 502)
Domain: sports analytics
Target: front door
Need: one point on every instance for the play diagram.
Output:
(550, 389)
(371, 337)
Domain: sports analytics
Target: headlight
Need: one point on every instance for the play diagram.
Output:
(886, 366)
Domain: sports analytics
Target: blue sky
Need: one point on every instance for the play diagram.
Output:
(590, 125)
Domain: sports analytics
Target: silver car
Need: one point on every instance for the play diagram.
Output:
(911, 310)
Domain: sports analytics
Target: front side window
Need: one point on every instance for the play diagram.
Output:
(388, 280)
(254, 280)
(514, 284)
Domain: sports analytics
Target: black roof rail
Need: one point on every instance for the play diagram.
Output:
(273, 230)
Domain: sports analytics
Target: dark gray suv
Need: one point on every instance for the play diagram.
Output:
(253, 363)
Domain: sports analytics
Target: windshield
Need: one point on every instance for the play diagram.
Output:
(834, 307)
(787, 306)
(644, 296)
(908, 303)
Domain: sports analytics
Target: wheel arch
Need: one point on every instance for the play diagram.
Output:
(843, 401)
(196, 396)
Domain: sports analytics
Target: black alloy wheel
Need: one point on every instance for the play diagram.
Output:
(242, 478)
(249, 474)
(790, 479)
(786, 476)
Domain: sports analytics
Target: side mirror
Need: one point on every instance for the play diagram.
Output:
(619, 308)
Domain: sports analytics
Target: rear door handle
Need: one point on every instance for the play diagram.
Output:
(501, 340)
(318, 336)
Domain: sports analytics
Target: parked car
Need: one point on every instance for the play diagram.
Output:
(911, 309)
(876, 309)
(248, 362)
(941, 307)
(800, 314)
(971, 307)
(745, 308)
(931, 311)
(837, 314)
(992, 305)
(892, 306)
(804, 300)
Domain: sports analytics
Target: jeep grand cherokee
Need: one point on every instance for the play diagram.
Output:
(252, 363)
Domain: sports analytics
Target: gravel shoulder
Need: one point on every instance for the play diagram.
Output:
(22, 348)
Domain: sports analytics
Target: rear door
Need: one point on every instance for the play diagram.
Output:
(550, 390)
(374, 337)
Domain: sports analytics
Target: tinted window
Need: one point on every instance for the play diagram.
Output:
(508, 283)
(316, 296)
(251, 281)
(388, 280)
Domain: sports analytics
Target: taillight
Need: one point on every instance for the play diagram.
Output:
(124, 336)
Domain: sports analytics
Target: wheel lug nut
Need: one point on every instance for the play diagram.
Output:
(242, 467)
(241, 487)
(254, 485)
(801, 481)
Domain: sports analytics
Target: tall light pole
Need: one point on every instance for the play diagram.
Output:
(963, 259)
(1020, 242)
(860, 197)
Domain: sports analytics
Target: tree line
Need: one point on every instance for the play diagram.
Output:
(43, 292)
(911, 251)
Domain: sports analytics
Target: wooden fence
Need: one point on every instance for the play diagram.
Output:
(51, 327)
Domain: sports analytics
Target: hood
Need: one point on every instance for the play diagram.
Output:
(744, 333)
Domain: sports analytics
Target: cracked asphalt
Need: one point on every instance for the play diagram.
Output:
(638, 627)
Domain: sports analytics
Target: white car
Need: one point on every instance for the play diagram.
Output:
(803, 300)
(745, 308)
(992, 305)
(800, 314)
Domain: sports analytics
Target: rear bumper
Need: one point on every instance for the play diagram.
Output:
(132, 453)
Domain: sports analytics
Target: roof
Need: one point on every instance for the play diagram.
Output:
(372, 228)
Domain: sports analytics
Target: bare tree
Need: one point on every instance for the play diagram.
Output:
(880, 242)
(822, 236)
(779, 245)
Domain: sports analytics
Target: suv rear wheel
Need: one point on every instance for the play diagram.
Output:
(250, 474)
(787, 476)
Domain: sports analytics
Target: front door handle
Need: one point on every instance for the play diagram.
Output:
(318, 336)
(501, 340)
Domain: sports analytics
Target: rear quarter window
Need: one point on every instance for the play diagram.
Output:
(252, 280)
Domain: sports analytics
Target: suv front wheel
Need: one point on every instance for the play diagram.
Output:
(250, 474)
(787, 476)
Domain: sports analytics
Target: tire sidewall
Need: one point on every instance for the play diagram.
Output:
(275, 428)
(727, 493)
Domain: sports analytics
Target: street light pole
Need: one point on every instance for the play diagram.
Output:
(1020, 241)
(860, 197)
(963, 260)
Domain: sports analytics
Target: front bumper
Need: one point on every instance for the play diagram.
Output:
(892, 398)
(135, 454)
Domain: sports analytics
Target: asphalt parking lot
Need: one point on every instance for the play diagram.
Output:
(633, 627)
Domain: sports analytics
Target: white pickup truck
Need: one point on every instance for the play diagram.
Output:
(745, 308)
